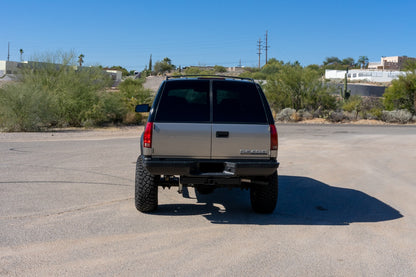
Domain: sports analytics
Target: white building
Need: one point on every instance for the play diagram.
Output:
(116, 75)
(379, 76)
(8, 67)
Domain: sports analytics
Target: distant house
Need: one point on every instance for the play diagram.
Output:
(8, 67)
(390, 63)
(380, 76)
(115, 75)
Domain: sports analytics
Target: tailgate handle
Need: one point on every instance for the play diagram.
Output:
(222, 134)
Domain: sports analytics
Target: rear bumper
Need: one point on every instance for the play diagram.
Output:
(211, 168)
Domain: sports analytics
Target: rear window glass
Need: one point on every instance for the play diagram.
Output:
(237, 102)
(185, 101)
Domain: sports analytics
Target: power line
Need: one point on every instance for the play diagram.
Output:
(259, 45)
(266, 47)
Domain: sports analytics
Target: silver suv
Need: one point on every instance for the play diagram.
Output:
(208, 132)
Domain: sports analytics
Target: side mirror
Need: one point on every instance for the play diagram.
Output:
(144, 108)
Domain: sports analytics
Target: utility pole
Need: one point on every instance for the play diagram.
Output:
(8, 52)
(259, 42)
(266, 47)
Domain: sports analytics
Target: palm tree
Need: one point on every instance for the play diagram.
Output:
(21, 54)
(81, 59)
(363, 60)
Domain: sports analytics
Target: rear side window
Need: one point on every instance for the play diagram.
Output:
(184, 101)
(237, 102)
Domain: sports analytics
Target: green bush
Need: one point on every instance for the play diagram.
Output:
(353, 104)
(402, 94)
(26, 108)
(364, 107)
(298, 88)
(220, 69)
(133, 93)
(197, 71)
(397, 116)
(51, 94)
(192, 71)
(57, 94)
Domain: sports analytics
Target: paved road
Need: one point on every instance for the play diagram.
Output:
(346, 208)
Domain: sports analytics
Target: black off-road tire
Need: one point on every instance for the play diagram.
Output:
(145, 188)
(264, 197)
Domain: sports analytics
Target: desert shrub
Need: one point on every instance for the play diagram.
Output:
(24, 108)
(49, 95)
(303, 115)
(352, 104)
(375, 113)
(192, 71)
(402, 93)
(337, 116)
(220, 69)
(372, 107)
(133, 93)
(110, 108)
(52, 93)
(397, 116)
(357, 107)
(298, 88)
(285, 114)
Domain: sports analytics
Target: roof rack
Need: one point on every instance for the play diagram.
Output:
(213, 76)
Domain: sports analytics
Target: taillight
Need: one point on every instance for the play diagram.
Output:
(147, 137)
(273, 137)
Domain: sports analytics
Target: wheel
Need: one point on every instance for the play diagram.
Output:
(145, 188)
(264, 197)
(204, 189)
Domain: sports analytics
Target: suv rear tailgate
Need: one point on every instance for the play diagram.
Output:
(182, 140)
(240, 141)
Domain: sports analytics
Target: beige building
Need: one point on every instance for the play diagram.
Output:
(391, 63)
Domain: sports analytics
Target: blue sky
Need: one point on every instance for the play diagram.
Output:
(208, 32)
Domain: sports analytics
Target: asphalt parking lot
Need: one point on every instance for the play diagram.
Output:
(347, 207)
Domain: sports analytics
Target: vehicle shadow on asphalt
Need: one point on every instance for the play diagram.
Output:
(302, 201)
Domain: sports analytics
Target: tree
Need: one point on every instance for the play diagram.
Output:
(133, 88)
(150, 63)
(299, 88)
(348, 61)
(334, 63)
(402, 93)
(410, 65)
(331, 61)
(81, 59)
(272, 66)
(21, 54)
(163, 66)
(220, 69)
(363, 60)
